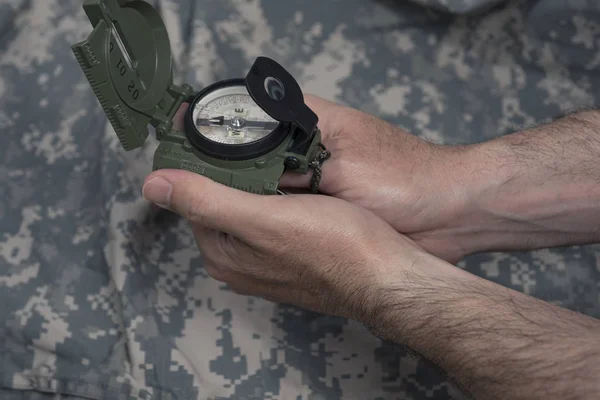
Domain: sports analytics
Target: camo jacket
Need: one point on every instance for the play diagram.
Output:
(102, 297)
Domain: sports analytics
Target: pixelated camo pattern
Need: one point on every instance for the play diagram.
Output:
(102, 298)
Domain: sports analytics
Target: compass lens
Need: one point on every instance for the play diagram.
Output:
(274, 88)
(230, 116)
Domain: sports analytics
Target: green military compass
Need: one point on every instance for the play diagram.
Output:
(244, 133)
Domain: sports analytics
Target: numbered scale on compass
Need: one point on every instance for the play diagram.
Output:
(124, 73)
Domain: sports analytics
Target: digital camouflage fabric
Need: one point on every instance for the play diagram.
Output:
(459, 6)
(103, 297)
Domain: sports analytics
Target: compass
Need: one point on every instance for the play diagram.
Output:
(241, 132)
(225, 122)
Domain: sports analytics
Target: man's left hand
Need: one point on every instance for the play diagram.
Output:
(316, 252)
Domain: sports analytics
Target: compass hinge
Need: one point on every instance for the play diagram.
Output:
(301, 142)
(168, 107)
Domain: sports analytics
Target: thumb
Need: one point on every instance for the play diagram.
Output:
(203, 201)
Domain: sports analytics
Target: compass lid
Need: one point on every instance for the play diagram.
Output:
(127, 61)
(276, 91)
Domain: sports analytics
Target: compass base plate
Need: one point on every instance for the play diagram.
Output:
(258, 175)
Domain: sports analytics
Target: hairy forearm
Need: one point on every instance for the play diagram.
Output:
(533, 189)
(496, 343)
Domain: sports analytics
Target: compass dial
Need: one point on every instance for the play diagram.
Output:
(230, 116)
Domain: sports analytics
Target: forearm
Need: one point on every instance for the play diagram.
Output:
(496, 343)
(533, 189)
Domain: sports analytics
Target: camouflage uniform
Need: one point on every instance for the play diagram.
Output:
(103, 297)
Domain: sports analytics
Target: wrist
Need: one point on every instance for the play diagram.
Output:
(478, 331)
(508, 205)
(456, 218)
(407, 294)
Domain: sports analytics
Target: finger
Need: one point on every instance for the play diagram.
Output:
(210, 204)
(300, 190)
(215, 271)
(218, 264)
(213, 245)
(213, 259)
(206, 239)
(294, 180)
(255, 288)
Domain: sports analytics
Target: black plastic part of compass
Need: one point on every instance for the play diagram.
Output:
(283, 100)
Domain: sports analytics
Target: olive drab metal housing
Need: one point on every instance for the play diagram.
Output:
(128, 62)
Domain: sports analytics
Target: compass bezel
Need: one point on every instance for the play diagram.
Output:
(233, 152)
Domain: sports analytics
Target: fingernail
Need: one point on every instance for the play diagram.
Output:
(158, 191)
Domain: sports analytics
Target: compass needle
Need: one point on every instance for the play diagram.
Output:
(227, 115)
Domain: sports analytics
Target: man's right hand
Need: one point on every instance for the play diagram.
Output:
(532, 189)
(415, 186)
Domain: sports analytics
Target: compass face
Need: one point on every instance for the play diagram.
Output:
(230, 116)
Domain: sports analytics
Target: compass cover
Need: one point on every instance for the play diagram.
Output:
(127, 61)
(276, 91)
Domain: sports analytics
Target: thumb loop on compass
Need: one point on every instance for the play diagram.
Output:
(317, 165)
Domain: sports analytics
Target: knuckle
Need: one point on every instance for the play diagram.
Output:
(234, 252)
(226, 246)
(241, 290)
(195, 208)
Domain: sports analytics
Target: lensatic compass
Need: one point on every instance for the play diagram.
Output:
(244, 133)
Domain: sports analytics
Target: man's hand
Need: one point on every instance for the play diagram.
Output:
(333, 257)
(317, 252)
(533, 189)
(415, 186)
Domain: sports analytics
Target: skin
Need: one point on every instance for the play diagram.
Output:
(379, 248)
